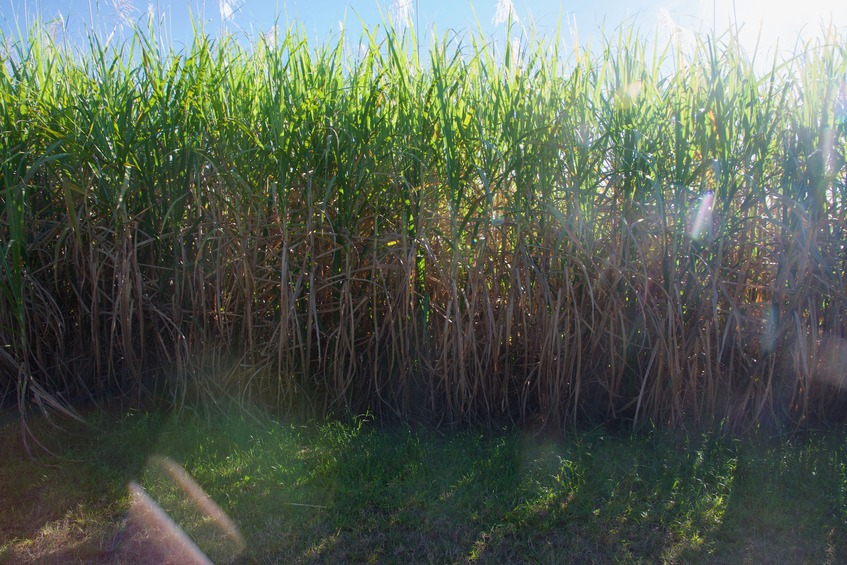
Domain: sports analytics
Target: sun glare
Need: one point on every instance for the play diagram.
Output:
(702, 219)
(767, 25)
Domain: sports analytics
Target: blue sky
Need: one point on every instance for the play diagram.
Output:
(779, 20)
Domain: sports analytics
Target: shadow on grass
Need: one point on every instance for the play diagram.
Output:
(59, 506)
(788, 504)
(417, 496)
(403, 495)
(352, 492)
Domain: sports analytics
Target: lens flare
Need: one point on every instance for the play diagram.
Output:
(201, 500)
(159, 539)
(701, 225)
(771, 326)
(832, 362)
(152, 536)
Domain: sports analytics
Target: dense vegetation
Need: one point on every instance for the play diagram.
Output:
(485, 232)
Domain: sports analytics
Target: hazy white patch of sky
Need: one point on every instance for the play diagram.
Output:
(682, 37)
(504, 12)
(228, 8)
(771, 20)
(772, 23)
(401, 12)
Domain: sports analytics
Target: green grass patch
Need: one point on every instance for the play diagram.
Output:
(356, 492)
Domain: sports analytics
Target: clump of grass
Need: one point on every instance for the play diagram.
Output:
(476, 233)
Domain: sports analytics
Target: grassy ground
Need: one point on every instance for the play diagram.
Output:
(357, 493)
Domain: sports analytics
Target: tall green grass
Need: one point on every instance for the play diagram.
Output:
(487, 232)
